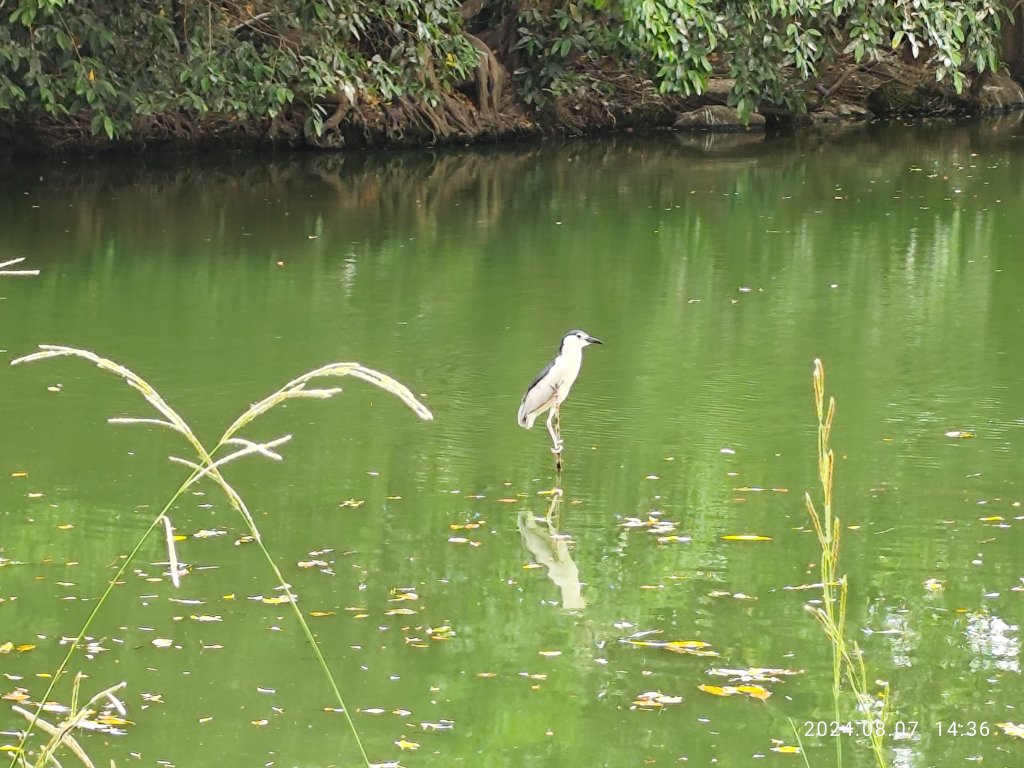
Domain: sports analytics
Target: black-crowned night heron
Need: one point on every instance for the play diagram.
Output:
(551, 387)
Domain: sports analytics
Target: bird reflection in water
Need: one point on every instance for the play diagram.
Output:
(551, 548)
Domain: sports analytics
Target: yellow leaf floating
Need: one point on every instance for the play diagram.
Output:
(400, 612)
(754, 691)
(960, 433)
(786, 749)
(1012, 729)
(404, 744)
(320, 614)
(746, 537)
(687, 647)
(276, 600)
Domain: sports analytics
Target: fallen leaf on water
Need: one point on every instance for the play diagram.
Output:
(441, 633)
(19, 474)
(992, 519)
(403, 593)
(278, 600)
(260, 723)
(443, 725)
(403, 744)
(1012, 729)
(312, 563)
(934, 585)
(162, 642)
(687, 647)
(320, 614)
(550, 654)
(754, 674)
(204, 617)
(754, 691)
(400, 612)
(786, 749)
(112, 720)
(507, 501)
(655, 699)
(208, 533)
(65, 527)
(673, 538)
(746, 537)
(959, 433)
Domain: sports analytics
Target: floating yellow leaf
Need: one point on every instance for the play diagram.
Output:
(320, 614)
(6, 647)
(312, 563)
(400, 612)
(260, 723)
(113, 720)
(746, 537)
(992, 519)
(24, 647)
(65, 527)
(550, 654)
(276, 600)
(754, 691)
(786, 749)
(959, 433)
(403, 744)
(1012, 729)
(19, 474)
(687, 647)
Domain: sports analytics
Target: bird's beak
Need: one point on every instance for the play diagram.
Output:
(592, 340)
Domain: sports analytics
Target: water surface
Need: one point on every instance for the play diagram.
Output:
(715, 273)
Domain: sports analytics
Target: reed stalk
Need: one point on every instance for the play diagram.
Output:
(847, 659)
(207, 467)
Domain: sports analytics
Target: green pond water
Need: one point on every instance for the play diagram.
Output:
(715, 272)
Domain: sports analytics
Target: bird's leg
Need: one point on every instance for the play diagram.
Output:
(554, 429)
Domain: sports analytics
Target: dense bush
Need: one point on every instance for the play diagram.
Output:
(110, 64)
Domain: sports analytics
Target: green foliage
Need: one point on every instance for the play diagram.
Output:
(774, 49)
(108, 62)
(562, 42)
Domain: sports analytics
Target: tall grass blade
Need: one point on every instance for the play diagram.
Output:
(835, 588)
(207, 467)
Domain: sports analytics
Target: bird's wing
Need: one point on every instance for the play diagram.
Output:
(535, 397)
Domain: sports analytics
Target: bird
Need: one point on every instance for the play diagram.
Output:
(551, 387)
